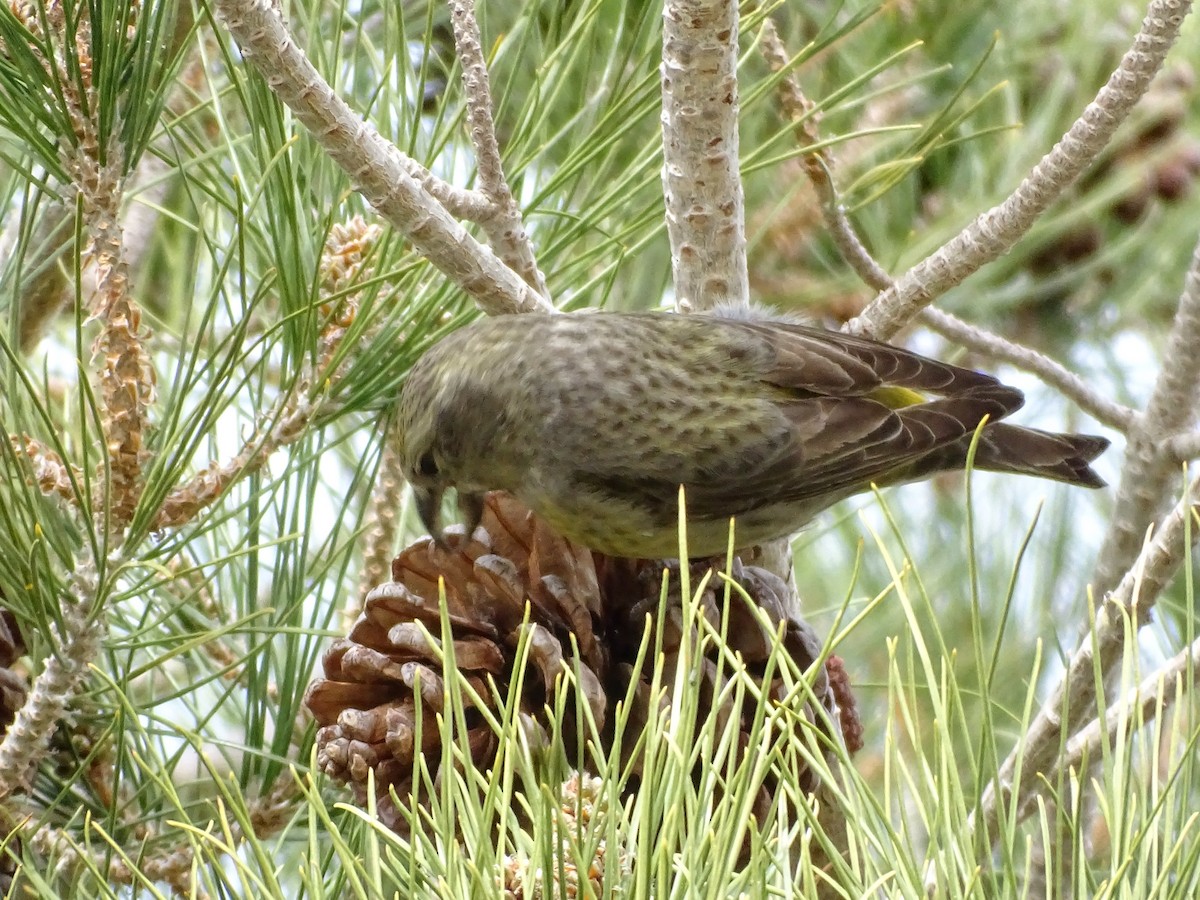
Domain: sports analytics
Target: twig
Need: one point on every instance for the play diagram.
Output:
(1052, 373)
(1184, 447)
(289, 422)
(503, 224)
(996, 230)
(127, 374)
(701, 183)
(1139, 706)
(818, 165)
(43, 291)
(76, 640)
(93, 160)
(1151, 469)
(384, 175)
(706, 216)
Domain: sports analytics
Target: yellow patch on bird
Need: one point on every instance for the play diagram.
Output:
(897, 397)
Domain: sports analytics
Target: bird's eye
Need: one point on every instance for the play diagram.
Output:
(427, 466)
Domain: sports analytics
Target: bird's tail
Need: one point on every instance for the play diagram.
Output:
(1024, 451)
(1028, 451)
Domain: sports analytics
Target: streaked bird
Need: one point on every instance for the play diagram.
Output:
(594, 420)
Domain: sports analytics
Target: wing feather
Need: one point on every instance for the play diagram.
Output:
(820, 431)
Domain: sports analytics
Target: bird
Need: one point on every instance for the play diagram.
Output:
(595, 420)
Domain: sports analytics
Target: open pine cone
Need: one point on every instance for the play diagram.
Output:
(383, 686)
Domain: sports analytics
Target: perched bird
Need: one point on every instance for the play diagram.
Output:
(594, 420)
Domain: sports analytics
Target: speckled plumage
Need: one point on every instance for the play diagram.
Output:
(594, 420)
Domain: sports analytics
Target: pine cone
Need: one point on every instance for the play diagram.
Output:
(383, 683)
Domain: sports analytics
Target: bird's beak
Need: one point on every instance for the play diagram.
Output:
(470, 506)
(429, 506)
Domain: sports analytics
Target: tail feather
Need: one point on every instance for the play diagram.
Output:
(1022, 451)
(1028, 451)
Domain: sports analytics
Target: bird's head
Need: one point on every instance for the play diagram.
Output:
(449, 423)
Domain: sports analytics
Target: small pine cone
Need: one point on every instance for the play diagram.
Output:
(383, 683)
(14, 685)
(582, 802)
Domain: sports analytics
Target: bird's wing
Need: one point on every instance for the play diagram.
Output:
(835, 448)
(841, 446)
(829, 362)
(846, 416)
